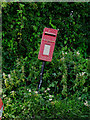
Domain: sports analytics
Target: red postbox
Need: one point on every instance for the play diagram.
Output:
(47, 44)
(1, 108)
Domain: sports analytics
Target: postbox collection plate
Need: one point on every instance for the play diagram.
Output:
(47, 44)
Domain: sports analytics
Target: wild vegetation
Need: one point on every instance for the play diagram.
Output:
(64, 93)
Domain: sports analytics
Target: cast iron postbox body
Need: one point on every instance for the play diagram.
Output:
(1, 108)
(47, 44)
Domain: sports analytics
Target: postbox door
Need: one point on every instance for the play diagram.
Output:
(46, 50)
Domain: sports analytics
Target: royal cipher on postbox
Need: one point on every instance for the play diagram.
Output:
(47, 44)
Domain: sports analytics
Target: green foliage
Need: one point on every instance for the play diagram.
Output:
(15, 79)
(67, 73)
(65, 88)
(23, 24)
(21, 98)
(25, 103)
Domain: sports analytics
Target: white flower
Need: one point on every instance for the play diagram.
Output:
(50, 99)
(79, 98)
(4, 95)
(66, 53)
(36, 92)
(45, 91)
(83, 73)
(71, 13)
(29, 90)
(50, 96)
(86, 103)
(12, 92)
(9, 76)
(62, 52)
(3, 74)
(78, 53)
(62, 58)
(48, 88)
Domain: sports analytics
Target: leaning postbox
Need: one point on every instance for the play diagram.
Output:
(47, 44)
(1, 108)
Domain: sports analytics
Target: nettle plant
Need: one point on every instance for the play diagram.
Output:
(15, 79)
(67, 73)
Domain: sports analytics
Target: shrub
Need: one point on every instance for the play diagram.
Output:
(66, 76)
(23, 24)
(22, 102)
(25, 103)
(67, 73)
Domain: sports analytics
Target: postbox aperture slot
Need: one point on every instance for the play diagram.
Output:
(49, 34)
